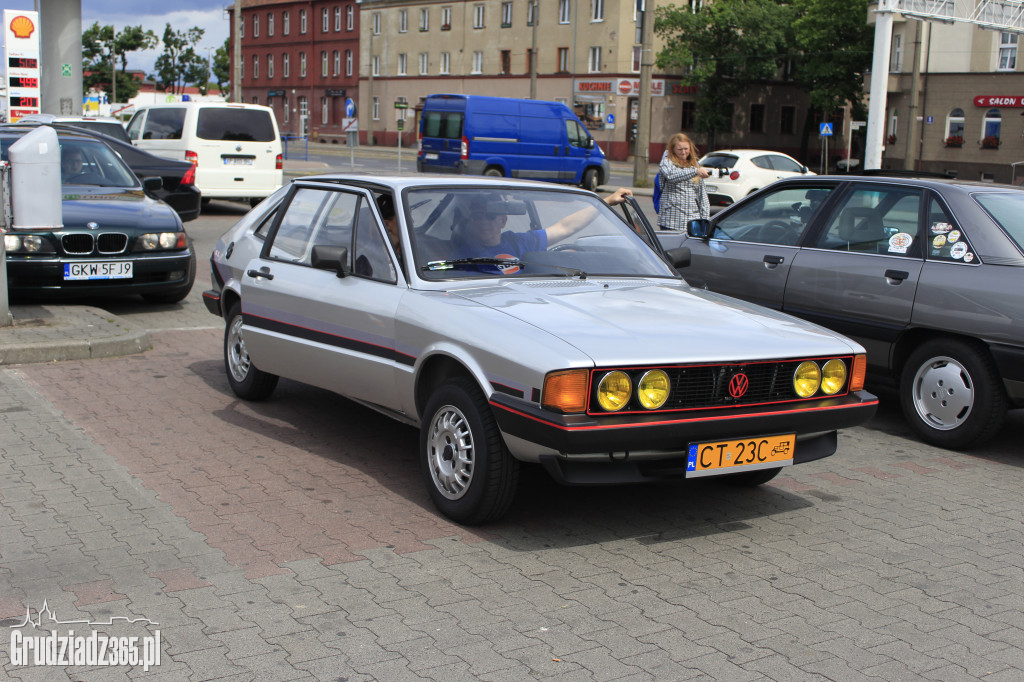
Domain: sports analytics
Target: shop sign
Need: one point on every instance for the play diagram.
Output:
(631, 86)
(594, 86)
(1011, 101)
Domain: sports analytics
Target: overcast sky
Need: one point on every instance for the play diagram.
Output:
(154, 15)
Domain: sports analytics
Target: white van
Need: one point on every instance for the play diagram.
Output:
(236, 147)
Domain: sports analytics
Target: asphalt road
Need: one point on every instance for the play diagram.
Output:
(293, 539)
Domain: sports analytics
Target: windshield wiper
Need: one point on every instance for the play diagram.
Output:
(449, 264)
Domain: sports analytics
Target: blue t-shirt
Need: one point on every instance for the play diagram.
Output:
(512, 245)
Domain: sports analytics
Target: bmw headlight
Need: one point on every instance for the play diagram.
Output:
(652, 389)
(26, 243)
(160, 240)
(806, 379)
(614, 390)
(833, 376)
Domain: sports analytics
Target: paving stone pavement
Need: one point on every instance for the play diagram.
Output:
(293, 540)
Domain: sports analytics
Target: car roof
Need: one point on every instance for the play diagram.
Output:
(401, 181)
(52, 118)
(935, 183)
(747, 152)
(62, 131)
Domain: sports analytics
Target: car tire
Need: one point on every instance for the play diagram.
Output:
(589, 180)
(247, 382)
(951, 394)
(175, 295)
(752, 478)
(494, 172)
(469, 473)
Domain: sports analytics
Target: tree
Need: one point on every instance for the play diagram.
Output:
(97, 66)
(722, 47)
(179, 64)
(222, 67)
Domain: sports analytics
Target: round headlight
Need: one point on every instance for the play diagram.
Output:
(833, 376)
(149, 242)
(614, 390)
(652, 391)
(168, 240)
(32, 243)
(806, 379)
(12, 242)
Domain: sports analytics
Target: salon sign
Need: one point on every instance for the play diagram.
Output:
(1011, 101)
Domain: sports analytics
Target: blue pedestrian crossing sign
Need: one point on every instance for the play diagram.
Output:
(826, 130)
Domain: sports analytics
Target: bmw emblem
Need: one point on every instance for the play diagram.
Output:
(91, 225)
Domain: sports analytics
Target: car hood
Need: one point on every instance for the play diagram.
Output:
(114, 208)
(639, 321)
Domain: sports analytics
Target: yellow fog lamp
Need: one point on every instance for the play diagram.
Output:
(806, 379)
(652, 389)
(614, 391)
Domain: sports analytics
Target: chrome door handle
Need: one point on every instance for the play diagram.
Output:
(265, 274)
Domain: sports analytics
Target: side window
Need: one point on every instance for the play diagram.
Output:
(577, 137)
(292, 241)
(164, 124)
(371, 254)
(876, 221)
(779, 217)
(781, 163)
(762, 162)
(947, 242)
(135, 126)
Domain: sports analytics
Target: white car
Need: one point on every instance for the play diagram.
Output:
(743, 171)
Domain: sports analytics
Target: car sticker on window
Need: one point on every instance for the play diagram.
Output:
(968, 257)
(953, 236)
(941, 228)
(958, 250)
(939, 241)
(900, 242)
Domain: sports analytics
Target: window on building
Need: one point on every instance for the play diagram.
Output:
(255, 67)
(478, 16)
(285, 66)
(594, 63)
(337, 63)
(403, 113)
(376, 109)
(597, 10)
(506, 61)
(255, 26)
(286, 23)
(446, 62)
(337, 19)
(302, 21)
(348, 62)
(563, 60)
(531, 9)
(446, 18)
(304, 113)
(506, 14)
(375, 65)
(350, 18)
(991, 127)
(241, 28)
(896, 56)
(376, 23)
(637, 51)
(403, 20)
(325, 20)
(287, 111)
(1007, 51)
(894, 124)
(270, 23)
(529, 61)
(689, 117)
(302, 65)
(323, 110)
(955, 124)
(323, 64)
(757, 118)
(478, 62)
(242, 69)
(424, 63)
(255, 99)
(564, 11)
(401, 63)
(787, 120)
(270, 66)
(424, 19)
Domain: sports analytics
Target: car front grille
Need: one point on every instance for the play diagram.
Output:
(105, 243)
(111, 242)
(77, 244)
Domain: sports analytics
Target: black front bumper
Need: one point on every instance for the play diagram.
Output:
(43, 276)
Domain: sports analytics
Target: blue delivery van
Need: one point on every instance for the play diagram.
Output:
(507, 137)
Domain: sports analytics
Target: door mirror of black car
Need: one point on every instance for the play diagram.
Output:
(325, 257)
(152, 184)
(699, 228)
(679, 257)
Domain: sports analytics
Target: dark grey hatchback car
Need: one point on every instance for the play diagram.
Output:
(927, 274)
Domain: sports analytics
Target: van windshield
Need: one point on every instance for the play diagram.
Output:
(245, 125)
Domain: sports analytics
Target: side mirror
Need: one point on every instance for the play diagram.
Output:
(152, 184)
(326, 257)
(804, 170)
(699, 228)
(679, 257)
(590, 143)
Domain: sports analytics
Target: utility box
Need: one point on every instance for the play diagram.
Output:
(36, 199)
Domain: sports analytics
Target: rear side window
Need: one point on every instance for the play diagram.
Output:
(164, 124)
(1006, 209)
(719, 161)
(243, 125)
(443, 124)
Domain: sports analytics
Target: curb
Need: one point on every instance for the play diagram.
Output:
(54, 333)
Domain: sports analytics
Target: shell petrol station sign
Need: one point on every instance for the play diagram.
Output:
(21, 42)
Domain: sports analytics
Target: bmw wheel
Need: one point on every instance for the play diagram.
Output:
(470, 475)
(951, 393)
(248, 382)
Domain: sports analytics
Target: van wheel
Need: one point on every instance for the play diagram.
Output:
(589, 180)
(494, 172)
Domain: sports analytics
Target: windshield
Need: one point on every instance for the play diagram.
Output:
(483, 232)
(88, 162)
(1006, 208)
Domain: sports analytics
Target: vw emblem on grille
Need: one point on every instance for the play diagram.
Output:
(738, 385)
(91, 225)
